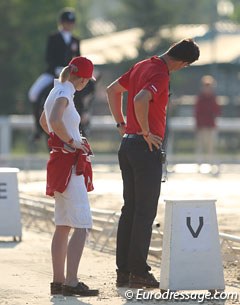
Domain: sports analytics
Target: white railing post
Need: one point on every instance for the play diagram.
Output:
(5, 135)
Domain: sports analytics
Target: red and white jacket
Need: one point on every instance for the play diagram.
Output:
(60, 166)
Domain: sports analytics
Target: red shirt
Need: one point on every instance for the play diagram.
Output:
(150, 74)
(206, 110)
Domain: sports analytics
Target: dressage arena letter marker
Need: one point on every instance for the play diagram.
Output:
(195, 234)
(191, 254)
(10, 217)
(3, 189)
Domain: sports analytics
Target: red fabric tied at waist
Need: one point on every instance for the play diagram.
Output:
(60, 165)
(54, 141)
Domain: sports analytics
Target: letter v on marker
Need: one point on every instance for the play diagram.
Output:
(195, 234)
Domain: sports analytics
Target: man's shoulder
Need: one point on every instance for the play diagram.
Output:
(154, 66)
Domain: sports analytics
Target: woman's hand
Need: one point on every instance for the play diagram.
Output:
(80, 145)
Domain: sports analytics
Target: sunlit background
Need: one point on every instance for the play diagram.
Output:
(114, 35)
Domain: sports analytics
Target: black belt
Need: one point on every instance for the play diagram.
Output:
(135, 136)
(132, 136)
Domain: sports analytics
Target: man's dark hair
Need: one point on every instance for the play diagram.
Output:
(184, 50)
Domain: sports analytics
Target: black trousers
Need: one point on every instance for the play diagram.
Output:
(141, 173)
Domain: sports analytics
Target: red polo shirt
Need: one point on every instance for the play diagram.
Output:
(150, 74)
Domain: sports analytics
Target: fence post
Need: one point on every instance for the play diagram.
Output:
(5, 135)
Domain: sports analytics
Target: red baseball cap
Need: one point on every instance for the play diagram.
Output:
(84, 67)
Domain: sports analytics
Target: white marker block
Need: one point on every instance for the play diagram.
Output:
(10, 219)
(191, 255)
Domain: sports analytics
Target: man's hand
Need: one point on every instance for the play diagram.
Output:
(152, 140)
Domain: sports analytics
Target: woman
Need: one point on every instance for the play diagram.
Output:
(66, 171)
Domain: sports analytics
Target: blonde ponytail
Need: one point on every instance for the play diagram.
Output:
(65, 73)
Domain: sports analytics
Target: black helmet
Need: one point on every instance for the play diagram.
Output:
(67, 15)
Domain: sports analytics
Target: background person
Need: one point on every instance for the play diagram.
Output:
(140, 155)
(65, 180)
(61, 47)
(207, 110)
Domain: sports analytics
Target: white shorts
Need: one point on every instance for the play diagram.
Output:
(72, 206)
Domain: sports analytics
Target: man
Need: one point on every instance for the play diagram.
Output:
(206, 112)
(147, 84)
(61, 47)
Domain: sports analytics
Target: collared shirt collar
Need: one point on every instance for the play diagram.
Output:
(160, 59)
(68, 85)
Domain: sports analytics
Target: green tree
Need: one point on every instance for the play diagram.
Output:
(25, 25)
(149, 15)
(153, 15)
(236, 14)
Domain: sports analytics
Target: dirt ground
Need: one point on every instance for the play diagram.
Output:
(25, 267)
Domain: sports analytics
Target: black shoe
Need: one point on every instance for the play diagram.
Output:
(81, 289)
(147, 280)
(122, 279)
(55, 288)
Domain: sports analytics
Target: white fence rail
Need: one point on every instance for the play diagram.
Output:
(106, 123)
(26, 122)
(105, 226)
(187, 124)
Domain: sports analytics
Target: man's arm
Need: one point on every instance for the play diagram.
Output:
(114, 94)
(141, 107)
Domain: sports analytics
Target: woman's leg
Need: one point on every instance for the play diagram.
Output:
(59, 252)
(74, 253)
